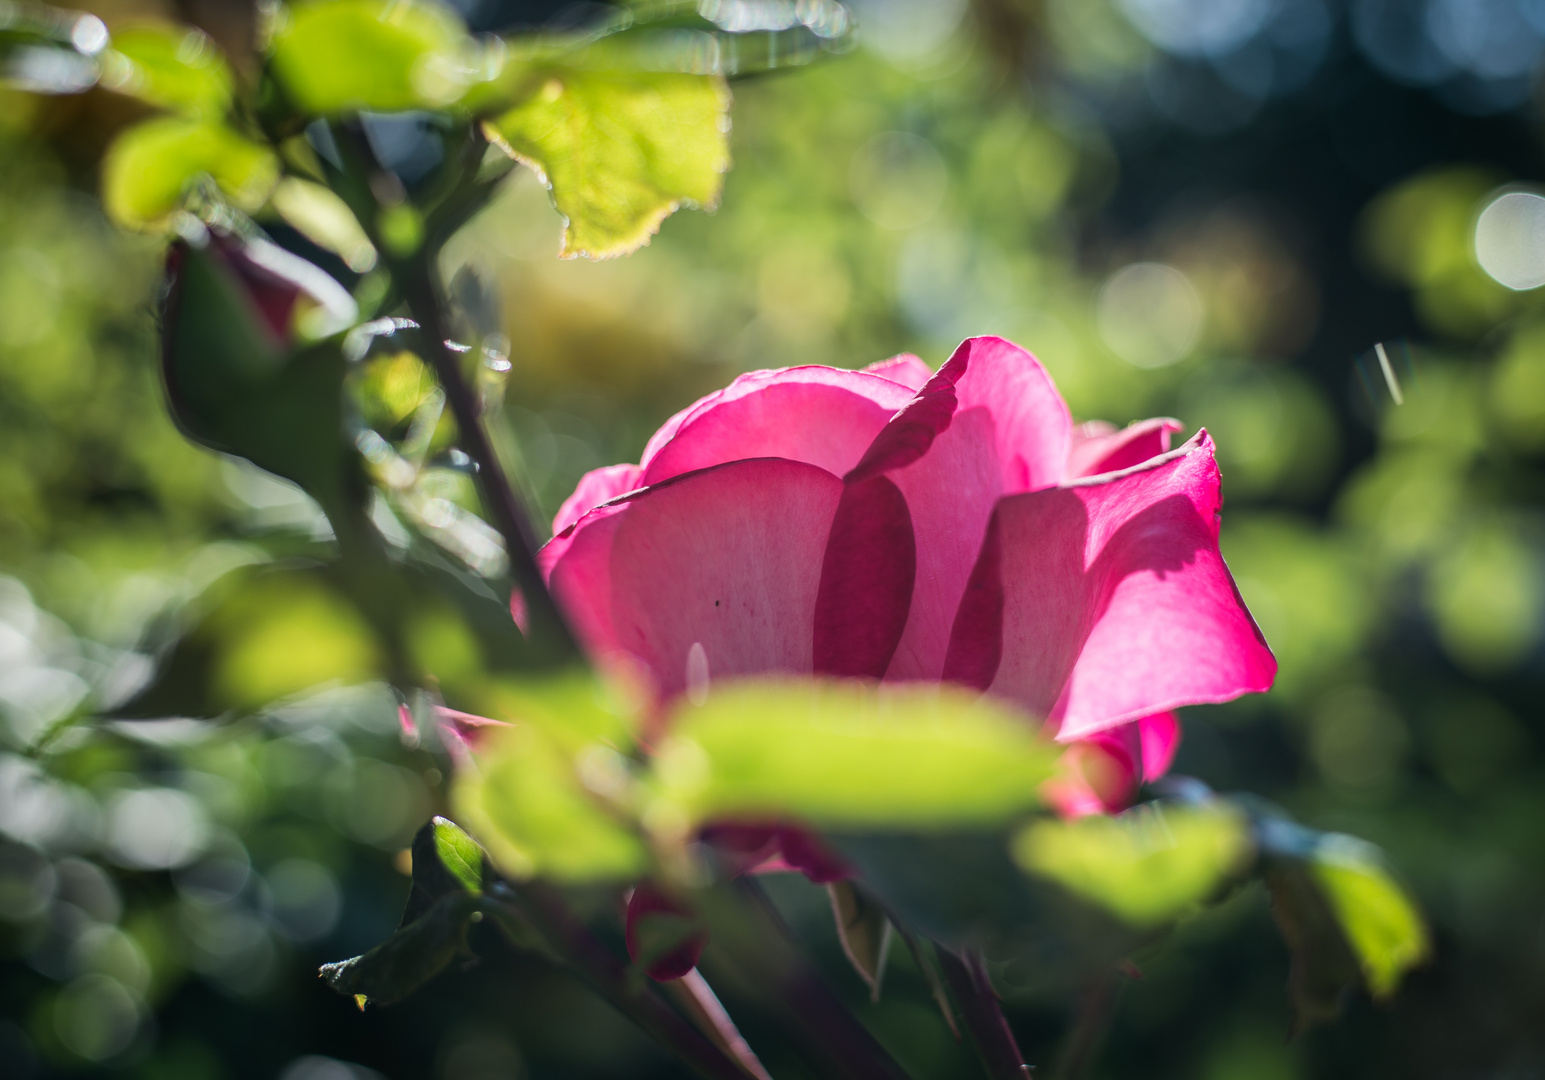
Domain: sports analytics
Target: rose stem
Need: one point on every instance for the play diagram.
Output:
(989, 1029)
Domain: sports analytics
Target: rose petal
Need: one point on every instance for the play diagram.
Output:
(728, 558)
(1108, 601)
(989, 423)
(905, 369)
(822, 416)
(866, 581)
(596, 487)
(1099, 448)
(1159, 737)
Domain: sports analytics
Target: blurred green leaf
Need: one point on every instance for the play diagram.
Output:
(850, 754)
(409, 958)
(524, 802)
(171, 67)
(574, 708)
(620, 151)
(326, 220)
(151, 166)
(290, 637)
(1380, 921)
(1147, 865)
(336, 56)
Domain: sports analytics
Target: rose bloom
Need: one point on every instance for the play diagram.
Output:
(896, 524)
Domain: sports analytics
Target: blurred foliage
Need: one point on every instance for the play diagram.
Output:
(167, 890)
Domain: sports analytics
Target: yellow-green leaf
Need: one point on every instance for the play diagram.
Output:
(620, 150)
(459, 854)
(1147, 865)
(1380, 922)
(335, 56)
(524, 802)
(171, 67)
(850, 754)
(150, 167)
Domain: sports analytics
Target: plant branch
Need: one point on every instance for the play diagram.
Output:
(979, 1008)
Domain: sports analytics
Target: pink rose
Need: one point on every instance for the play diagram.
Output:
(895, 524)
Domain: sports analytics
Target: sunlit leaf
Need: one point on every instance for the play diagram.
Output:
(1380, 921)
(172, 67)
(459, 854)
(850, 754)
(524, 802)
(575, 708)
(620, 150)
(151, 166)
(335, 56)
(1147, 866)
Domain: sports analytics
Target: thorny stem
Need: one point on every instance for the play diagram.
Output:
(989, 1029)
(610, 977)
(415, 279)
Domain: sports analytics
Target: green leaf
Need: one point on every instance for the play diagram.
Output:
(338, 56)
(864, 931)
(151, 166)
(620, 150)
(459, 854)
(524, 802)
(171, 67)
(260, 634)
(850, 754)
(1380, 921)
(409, 958)
(446, 862)
(1147, 866)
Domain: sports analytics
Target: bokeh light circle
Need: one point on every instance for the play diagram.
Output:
(1510, 240)
(1149, 314)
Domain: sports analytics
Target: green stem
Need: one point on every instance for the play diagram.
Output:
(979, 1008)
